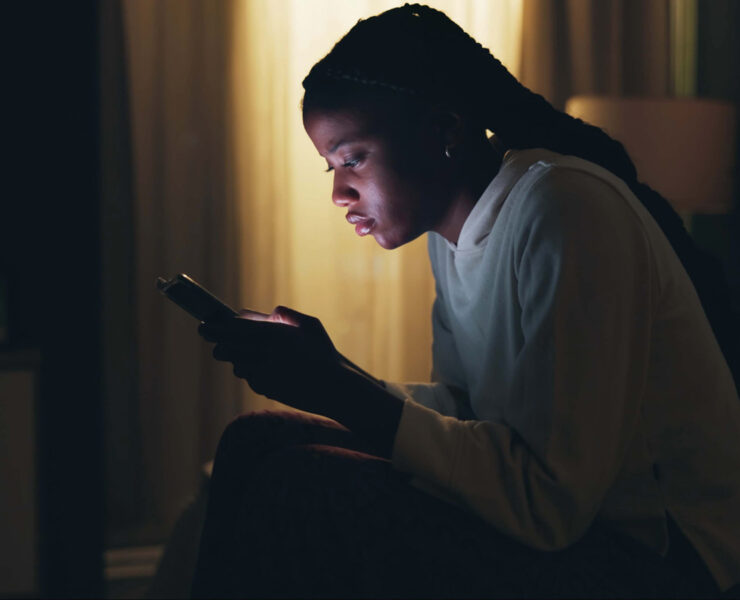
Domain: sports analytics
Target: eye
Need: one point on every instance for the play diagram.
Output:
(347, 164)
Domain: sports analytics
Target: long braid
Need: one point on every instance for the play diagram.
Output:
(417, 52)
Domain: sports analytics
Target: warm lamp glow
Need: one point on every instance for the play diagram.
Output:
(682, 147)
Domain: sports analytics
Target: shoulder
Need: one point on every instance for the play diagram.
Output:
(574, 194)
(573, 209)
(556, 176)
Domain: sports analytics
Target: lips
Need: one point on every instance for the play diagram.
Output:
(363, 225)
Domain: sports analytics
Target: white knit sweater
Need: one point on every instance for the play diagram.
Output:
(593, 385)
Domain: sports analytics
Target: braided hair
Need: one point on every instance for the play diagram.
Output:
(418, 55)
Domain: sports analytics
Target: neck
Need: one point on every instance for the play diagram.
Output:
(478, 166)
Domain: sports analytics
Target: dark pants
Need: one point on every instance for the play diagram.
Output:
(299, 507)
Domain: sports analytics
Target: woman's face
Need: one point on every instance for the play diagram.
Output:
(388, 173)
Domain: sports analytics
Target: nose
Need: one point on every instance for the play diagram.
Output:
(342, 193)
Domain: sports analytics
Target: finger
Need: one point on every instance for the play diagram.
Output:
(235, 353)
(225, 352)
(308, 324)
(288, 316)
(246, 331)
(206, 333)
(250, 371)
(253, 315)
(235, 329)
(261, 377)
(266, 385)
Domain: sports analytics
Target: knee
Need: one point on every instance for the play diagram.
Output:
(272, 429)
(264, 431)
(252, 422)
(249, 429)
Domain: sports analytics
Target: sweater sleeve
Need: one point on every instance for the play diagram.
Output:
(583, 281)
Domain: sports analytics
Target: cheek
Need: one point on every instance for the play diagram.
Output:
(419, 181)
(403, 220)
(401, 190)
(397, 202)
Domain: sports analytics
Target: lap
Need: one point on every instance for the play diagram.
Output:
(300, 507)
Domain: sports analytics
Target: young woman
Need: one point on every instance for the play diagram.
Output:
(580, 435)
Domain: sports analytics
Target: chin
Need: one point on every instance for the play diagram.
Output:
(385, 243)
(391, 242)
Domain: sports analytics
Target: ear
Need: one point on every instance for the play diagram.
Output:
(448, 126)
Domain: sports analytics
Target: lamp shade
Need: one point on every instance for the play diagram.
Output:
(682, 147)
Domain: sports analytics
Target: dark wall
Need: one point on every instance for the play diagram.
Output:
(50, 255)
(718, 77)
(719, 49)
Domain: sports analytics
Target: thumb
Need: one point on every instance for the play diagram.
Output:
(311, 326)
(288, 316)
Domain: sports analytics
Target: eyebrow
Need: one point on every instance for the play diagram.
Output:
(333, 149)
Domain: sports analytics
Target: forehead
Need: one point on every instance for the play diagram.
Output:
(327, 128)
(369, 118)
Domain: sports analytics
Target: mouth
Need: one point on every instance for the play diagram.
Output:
(363, 225)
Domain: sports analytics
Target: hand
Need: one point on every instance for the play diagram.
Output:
(285, 355)
(288, 356)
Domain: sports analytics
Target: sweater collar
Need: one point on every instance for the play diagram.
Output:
(480, 221)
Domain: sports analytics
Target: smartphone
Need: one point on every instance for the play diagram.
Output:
(189, 295)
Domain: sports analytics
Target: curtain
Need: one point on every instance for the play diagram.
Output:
(168, 207)
(574, 47)
(208, 171)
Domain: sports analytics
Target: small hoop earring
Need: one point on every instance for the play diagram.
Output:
(447, 152)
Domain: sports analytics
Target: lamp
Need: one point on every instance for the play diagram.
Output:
(684, 148)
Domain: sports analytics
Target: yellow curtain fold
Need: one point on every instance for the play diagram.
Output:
(184, 220)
